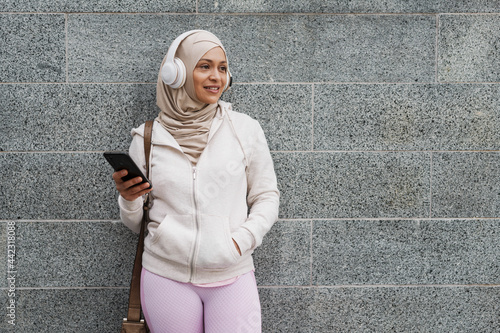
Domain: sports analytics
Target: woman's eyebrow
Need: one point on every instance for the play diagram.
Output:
(210, 60)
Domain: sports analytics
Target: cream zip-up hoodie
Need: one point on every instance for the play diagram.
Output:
(197, 210)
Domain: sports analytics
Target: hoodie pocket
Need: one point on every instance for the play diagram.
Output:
(216, 249)
(173, 238)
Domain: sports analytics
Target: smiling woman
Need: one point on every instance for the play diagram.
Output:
(215, 197)
(210, 76)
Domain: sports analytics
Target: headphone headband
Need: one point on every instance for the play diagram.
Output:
(175, 44)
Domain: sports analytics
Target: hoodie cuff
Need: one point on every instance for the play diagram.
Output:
(244, 239)
(130, 206)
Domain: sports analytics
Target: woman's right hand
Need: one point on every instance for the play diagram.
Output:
(129, 190)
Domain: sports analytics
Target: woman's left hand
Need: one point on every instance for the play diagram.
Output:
(237, 247)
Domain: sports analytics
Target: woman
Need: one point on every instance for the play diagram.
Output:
(215, 197)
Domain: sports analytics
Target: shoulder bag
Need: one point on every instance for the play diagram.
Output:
(133, 323)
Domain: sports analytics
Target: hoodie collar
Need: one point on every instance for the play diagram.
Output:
(162, 137)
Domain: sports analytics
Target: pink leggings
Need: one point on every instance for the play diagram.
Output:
(174, 307)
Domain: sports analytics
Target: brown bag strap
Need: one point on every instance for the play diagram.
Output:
(134, 301)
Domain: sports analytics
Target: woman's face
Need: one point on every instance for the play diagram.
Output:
(210, 76)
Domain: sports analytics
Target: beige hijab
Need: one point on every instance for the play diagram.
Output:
(181, 113)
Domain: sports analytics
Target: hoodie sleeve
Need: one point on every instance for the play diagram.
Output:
(262, 197)
(131, 211)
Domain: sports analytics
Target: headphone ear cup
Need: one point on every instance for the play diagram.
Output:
(181, 74)
(174, 73)
(229, 81)
(168, 73)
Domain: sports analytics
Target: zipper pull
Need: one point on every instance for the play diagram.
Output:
(194, 173)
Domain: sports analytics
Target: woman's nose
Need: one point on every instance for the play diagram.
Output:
(215, 75)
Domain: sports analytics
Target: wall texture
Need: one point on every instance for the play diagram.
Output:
(383, 118)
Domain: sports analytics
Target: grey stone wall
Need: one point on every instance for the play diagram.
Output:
(383, 118)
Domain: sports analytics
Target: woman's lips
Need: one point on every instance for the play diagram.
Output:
(212, 89)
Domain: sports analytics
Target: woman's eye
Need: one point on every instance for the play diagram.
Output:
(204, 66)
(223, 69)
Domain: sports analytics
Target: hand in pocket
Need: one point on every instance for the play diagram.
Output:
(237, 247)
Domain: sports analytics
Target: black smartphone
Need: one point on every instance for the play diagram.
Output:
(121, 160)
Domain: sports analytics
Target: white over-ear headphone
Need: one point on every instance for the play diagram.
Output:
(173, 71)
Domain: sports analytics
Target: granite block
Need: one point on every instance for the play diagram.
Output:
(286, 309)
(380, 309)
(353, 185)
(76, 117)
(375, 117)
(466, 184)
(74, 254)
(284, 258)
(406, 117)
(469, 48)
(32, 48)
(69, 310)
(8, 256)
(57, 186)
(465, 6)
(405, 309)
(469, 116)
(235, 6)
(432, 252)
(338, 6)
(395, 48)
(100, 51)
(97, 6)
(8, 304)
(284, 112)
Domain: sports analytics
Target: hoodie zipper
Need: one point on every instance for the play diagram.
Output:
(197, 215)
(197, 240)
